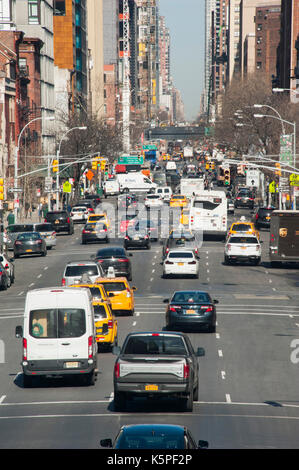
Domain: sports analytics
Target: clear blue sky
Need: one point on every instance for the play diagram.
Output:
(186, 21)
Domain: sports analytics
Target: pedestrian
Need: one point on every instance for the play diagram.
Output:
(45, 210)
(52, 202)
(10, 218)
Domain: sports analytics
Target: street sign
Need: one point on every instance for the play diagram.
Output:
(150, 147)
(272, 187)
(67, 187)
(15, 190)
(89, 175)
(130, 159)
(294, 179)
(286, 149)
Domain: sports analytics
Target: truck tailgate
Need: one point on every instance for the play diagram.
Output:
(152, 368)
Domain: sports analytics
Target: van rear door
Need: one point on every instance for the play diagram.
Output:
(41, 338)
(73, 333)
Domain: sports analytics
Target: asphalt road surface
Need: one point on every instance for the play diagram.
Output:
(248, 384)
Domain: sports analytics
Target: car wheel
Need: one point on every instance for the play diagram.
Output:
(257, 262)
(196, 393)
(8, 281)
(226, 260)
(44, 253)
(212, 329)
(49, 247)
(90, 379)
(119, 401)
(27, 381)
(83, 242)
(188, 402)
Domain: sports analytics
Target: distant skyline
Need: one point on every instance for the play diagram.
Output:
(186, 22)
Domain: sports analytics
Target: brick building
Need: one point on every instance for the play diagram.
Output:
(267, 36)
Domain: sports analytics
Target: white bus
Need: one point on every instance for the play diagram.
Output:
(208, 213)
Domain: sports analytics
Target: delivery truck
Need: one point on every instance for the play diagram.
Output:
(284, 237)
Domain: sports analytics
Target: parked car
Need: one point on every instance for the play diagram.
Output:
(95, 232)
(116, 257)
(47, 233)
(61, 221)
(191, 309)
(181, 263)
(79, 214)
(4, 279)
(7, 264)
(74, 271)
(154, 436)
(262, 217)
(29, 243)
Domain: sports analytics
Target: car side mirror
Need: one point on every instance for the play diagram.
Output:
(216, 301)
(19, 332)
(200, 352)
(134, 288)
(116, 350)
(111, 294)
(166, 301)
(203, 444)
(107, 443)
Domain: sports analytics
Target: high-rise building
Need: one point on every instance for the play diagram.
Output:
(95, 57)
(267, 36)
(210, 6)
(234, 39)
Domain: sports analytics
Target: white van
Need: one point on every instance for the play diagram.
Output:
(165, 192)
(135, 182)
(170, 166)
(111, 187)
(58, 334)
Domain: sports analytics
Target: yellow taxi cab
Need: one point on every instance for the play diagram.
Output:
(101, 217)
(97, 291)
(105, 325)
(166, 157)
(122, 299)
(184, 219)
(243, 226)
(178, 200)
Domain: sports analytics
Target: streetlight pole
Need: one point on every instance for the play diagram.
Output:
(81, 128)
(16, 161)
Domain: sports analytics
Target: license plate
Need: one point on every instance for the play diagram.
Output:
(28, 251)
(136, 237)
(151, 388)
(180, 264)
(190, 311)
(243, 247)
(268, 218)
(56, 221)
(71, 365)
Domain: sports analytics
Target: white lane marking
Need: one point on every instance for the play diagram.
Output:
(217, 336)
(21, 293)
(208, 270)
(220, 353)
(270, 280)
(137, 314)
(297, 324)
(45, 268)
(151, 279)
(32, 284)
(2, 398)
(207, 263)
(39, 276)
(228, 398)
(153, 270)
(134, 323)
(223, 374)
(291, 316)
(111, 397)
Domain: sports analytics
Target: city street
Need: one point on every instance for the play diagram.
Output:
(248, 384)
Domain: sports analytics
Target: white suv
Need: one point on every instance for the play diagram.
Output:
(242, 247)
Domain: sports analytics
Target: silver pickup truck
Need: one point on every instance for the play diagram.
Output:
(156, 364)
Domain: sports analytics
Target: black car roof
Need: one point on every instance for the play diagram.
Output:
(112, 250)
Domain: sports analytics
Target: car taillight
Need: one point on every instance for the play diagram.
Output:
(53, 234)
(85, 231)
(229, 246)
(24, 349)
(126, 237)
(174, 308)
(18, 243)
(63, 281)
(123, 260)
(110, 324)
(256, 216)
(68, 220)
(6, 266)
(238, 198)
(186, 371)
(207, 308)
(117, 370)
(167, 250)
(45, 220)
(39, 240)
(90, 341)
(128, 292)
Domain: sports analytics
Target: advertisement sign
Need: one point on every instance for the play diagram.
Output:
(286, 149)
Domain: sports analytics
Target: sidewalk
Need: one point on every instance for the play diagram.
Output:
(34, 218)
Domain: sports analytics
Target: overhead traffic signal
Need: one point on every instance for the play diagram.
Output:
(1, 189)
(278, 170)
(227, 177)
(55, 166)
(94, 164)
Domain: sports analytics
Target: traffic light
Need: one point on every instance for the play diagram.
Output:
(94, 164)
(278, 170)
(1, 189)
(55, 166)
(227, 177)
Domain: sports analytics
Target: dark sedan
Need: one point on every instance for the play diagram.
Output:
(154, 436)
(30, 243)
(244, 198)
(137, 238)
(116, 257)
(191, 309)
(262, 217)
(95, 232)
(153, 227)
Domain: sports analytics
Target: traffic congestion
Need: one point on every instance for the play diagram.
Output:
(163, 307)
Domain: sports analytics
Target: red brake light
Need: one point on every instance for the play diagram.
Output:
(24, 349)
(123, 260)
(110, 324)
(90, 342)
(63, 281)
(186, 371)
(6, 266)
(155, 334)
(207, 307)
(45, 220)
(256, 216)
(116, 370)
(18, 243)
(68, 220)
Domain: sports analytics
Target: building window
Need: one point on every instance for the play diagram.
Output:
(59, 7)
(258, 65)
(259, 52)
(33, 11)
(259, 40)
(259, 27)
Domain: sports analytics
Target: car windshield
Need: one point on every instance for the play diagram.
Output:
(196, 297)
(180, 254)
(114, 286)
(111, 253)
(97, 217)
(55, 215)
(243, 240)
(151, 440)
(178, 197)
(44, 228)
(78, 270)
(182, 234)
(19, 228)
(99, 312)
(241, 228)
(155, 344)
(28, 236)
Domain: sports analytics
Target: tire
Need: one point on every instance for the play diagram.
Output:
(226, 260)
(83, 242)
(44, 253)
(27, 381)
(9, 282)
(119, 401)
(212, 329)
(49, 248)
(275, 264)
(90, 378)
(257, 262)
(196, 393)
(188, 402)
(129, 277)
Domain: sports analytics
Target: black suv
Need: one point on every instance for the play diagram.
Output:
(262, 217)
(116, 257)
(245, 198)
(61, 221)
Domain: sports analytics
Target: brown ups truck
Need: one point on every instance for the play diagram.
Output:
(284, 237)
